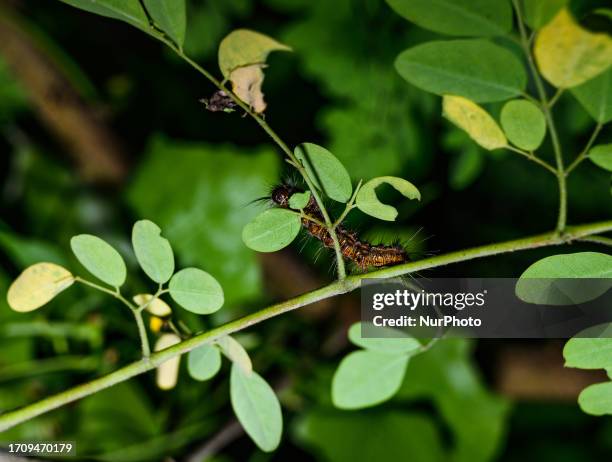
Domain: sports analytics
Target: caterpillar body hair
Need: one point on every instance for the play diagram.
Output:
(362, 253)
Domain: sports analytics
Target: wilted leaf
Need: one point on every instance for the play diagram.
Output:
(156, 307)
(569, 55)
(236, 353)
(203, 362)
(368, 202)
(99, 258)
(390, 341)
(596, 96)
(37, 285)
(196, 291)
(601, 156)
(246, 84)
(170, 16)
(167, 372)
(153, 252)
(272, 230)
(325, 171)
(524, 124)
(475, 121)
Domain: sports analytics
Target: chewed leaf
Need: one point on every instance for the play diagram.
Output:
(299, 200)
(153, 252)
(368, 202)
(387, 340)
(474, 120)
(568, 55)
(236, 353)
(204, 362)
(325, 171)
(245, 47)
(37, 285)
(156, 307)
(524, 124)
(246, 84)
(167, 372)
(601, 155)
(272, 230)
(196, 291)
(99, 258)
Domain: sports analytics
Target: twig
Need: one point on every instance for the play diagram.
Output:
(585, 152)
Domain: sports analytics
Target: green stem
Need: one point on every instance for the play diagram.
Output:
(560, 172)
(142, 332)
(533, 158)
(598, 240)
(349, 206)
(10, 419)
(585, 152)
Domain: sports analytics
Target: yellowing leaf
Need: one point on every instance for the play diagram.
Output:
(474, 120)
(568, 55)
(156, 307)
(37, 285)
(246, 84)
(167, 372)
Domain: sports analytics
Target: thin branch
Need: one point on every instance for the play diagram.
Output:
(10, 419)
(597, 240)
(349, 206)
(533, 158)
(555, 97)
(585, 152)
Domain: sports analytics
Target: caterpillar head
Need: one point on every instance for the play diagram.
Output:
(280, 195)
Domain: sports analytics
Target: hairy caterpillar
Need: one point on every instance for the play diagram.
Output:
(362, 253)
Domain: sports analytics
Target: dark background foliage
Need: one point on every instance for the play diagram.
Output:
(195, 174)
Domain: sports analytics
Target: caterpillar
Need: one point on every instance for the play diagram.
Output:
(362, 253)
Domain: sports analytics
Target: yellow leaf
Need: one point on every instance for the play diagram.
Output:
(244, 47)
(246, 84)
(474, 120)
(37, 285)
(568, 55)
(156, 307)
(167, 372)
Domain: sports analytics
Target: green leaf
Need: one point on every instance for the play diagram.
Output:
(236, 353)
(538, 13)
(474, 120)
(595, 95)
(326, 171)
(272, 230)
(596, 399)
(588, 353)
(390, 341)
(368, 202)
(99, 258)
(196, 291)
(129, 11)
(153, 252)
(203, 362)
(366, 378)
(476, 69)
(37, 285)
(601, 155)
(170, 16)
(299, 200)
(475, 18)
(569, 55)
(257, 408)
(559, 279)
(524, 124)
(245, 47)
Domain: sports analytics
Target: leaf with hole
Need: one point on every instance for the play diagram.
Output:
(257, 408)
(272, 230)
(596, 399)
(196, 291)
(153, 252)
(365, 378)
(99, 258)
(203, 362)
(382, 339)
(476, 69)
(37, 285)
(569, 55)
(170, 16)
(326, 171)
(601, 155)
(246, 84)
(595, 95)
(367, 200)
(474, 120)
(167, 372)
(298, 201)
(524, 124)
(236, 353)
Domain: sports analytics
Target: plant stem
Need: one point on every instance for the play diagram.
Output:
(10, 419)
(598, 240)
(560, 172)
(349, 206)
(533, 158)
(585, 152)
(142, 332)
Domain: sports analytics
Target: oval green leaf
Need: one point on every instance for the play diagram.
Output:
(365, 378)
(129, 11)
(257, 408)
(244, 47)
(389, 341)
(601, 155)
(524, 124)
(204, 362)
(596, 399)
(588, 353)
(569, 55)
(196, 291)
(170, 16)
(272, 230)
(476, 69)
(474, 120)
(475, 18)
(153, 252)
(99, 258)
(368, 202)
(326, 171)
(567, 279)
(298, 201)
(595, 95)
(37, 285)
(167, 372)
(235, 352)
